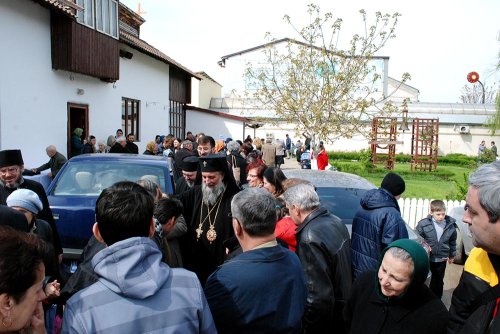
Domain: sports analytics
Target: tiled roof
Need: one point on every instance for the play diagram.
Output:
(142, 46)
(58, 5)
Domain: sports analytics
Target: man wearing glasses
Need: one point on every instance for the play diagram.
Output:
(206, 145)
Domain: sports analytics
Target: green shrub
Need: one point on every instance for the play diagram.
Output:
(487, 156)
(460, 191)
(458, 159)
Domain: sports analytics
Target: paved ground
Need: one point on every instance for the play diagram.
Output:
(290, 164)
(451, 278)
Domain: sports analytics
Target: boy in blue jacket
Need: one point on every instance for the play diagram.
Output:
(439, 231)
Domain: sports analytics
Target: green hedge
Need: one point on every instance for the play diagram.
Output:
(450, 159)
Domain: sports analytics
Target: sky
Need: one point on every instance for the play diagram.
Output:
(438, 42)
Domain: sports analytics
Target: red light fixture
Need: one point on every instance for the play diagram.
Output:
(473, 77)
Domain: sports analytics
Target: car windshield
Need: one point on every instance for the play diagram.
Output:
(85, 179)
(342, 202)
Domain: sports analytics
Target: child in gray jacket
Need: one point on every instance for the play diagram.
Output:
(439, 231)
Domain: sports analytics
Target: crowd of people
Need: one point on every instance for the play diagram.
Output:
(241, 248)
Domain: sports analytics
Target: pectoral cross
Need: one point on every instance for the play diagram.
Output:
(199, 232)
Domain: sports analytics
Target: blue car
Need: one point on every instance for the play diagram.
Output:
(73, 193)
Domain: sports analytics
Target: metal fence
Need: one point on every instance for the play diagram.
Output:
(413, 209)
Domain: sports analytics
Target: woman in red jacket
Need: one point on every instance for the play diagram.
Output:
(322, 158)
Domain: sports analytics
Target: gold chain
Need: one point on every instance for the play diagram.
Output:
(211, 234)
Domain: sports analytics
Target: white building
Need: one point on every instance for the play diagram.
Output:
(462, 126)
(63, 68)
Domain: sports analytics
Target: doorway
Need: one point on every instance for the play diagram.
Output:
(78, 117)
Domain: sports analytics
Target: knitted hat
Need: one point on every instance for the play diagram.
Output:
(13, 218)
(11, 158)
(394, 184)
(26, 199)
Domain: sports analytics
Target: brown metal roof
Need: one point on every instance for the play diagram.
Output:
(61, 6)
(150, 50)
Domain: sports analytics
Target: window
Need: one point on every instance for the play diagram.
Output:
(130, 116)
(101, 15)
(177, 119)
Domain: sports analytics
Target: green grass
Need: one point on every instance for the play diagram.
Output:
(440, 184)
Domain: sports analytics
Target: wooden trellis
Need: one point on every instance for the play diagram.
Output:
(424, 144)
(384, 140)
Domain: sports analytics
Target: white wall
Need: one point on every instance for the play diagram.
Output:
(450, 140)
(213, 125)
(34, 97)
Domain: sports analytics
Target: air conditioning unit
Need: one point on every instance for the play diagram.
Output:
(464, 129)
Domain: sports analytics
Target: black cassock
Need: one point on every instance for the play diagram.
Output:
(199, 254)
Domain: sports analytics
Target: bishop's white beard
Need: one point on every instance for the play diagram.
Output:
(210, 195)
(189, 183)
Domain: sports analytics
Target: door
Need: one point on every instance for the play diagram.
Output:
(78, 117)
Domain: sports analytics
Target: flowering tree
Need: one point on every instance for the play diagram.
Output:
(327, 92)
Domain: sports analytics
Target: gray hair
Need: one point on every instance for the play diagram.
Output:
(233, 146)
(403, 255)
(120, 139)
(303, 196)
(486, 179)
(151, 187)
(51, 147)
(255, 209)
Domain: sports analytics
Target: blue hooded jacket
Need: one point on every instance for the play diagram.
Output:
(376, 224)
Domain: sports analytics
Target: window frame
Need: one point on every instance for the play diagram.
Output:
(108, 18)
(132, 116)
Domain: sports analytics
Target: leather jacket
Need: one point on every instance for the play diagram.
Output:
(323, 247)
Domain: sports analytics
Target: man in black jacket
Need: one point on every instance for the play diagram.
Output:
(475, 301)
(131, 146)
(11, 179)
(57, 160)
(323, 247)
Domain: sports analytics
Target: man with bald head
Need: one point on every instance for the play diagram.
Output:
(57, 160)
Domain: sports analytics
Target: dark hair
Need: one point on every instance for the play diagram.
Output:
(275, 176)
(281, 209)
(123, 211)
(167, 208)
(19, 262)
(203, 140)
(260, 166)
(247, 148)
(119, 130)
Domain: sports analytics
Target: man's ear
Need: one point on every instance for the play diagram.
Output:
(171, 222)
(238, 230)
(6, 304)
(152, 228)
(97, 233)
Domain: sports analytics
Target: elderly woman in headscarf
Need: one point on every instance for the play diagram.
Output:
(395, 299)
(151, 148)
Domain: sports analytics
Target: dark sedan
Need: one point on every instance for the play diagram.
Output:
(339, 192)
